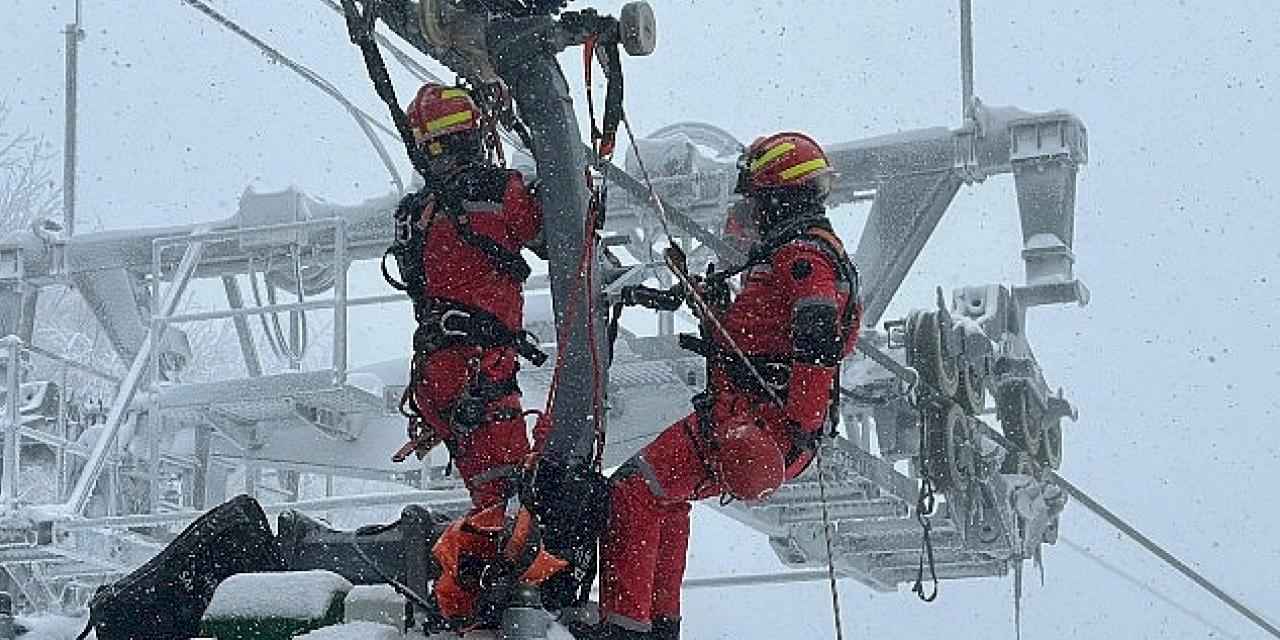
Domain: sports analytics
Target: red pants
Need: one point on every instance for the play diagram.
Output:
(488, 455)
(643, 550)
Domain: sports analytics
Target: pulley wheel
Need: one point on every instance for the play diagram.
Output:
(949, 461)
(1018, 418)
(971, 395)
(938, 370)
(1051, 444)
(936, 466)
(961, 461)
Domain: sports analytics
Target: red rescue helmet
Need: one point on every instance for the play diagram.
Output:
(783, 160)
(437, 111)
(748, 461)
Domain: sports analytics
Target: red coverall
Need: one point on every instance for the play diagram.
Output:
(643, 549)
(509, 214)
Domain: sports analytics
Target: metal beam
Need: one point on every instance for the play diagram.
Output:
(235, 300)
(132, 381)
(902, 219)
(13, 395)
(445, 500)
(755, 580)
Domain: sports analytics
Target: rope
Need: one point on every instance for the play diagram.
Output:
(275, 335)
(826, 534)
(360, 28)
(925, 502)
(1123, 575)
(363, 119)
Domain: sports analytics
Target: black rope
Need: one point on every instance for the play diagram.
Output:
(360, 27)
(924, 505)
(365, 121)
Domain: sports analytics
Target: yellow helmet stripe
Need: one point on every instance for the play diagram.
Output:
(448, 121)
(804, 169)
(453, 93)
(773, 153)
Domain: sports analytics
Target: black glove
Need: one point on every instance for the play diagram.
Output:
(651, 298)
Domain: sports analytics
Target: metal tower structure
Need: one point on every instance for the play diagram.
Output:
(919, 396)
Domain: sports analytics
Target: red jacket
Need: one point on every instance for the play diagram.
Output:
(765, 317)
(498, 205)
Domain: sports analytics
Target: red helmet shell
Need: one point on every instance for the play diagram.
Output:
(748, 461)
(785, 159)
(439, 111)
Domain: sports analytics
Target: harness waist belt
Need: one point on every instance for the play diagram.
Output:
(776, 370)
(445, 323)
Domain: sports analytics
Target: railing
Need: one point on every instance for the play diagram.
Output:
(160, 320)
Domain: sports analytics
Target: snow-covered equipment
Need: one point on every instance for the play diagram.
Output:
(275, 606)
(376, 604)
(166, 597)
(374, 554)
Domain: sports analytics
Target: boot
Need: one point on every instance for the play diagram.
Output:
(665, 629)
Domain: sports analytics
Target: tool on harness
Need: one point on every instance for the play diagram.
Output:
(638, 295)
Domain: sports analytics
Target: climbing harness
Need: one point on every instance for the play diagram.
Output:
(678, 264)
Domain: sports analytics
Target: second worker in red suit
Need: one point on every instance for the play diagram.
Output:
(460, 239)
(795, 319)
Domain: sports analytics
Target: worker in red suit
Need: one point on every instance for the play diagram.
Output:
(458, 248)
(755, 426)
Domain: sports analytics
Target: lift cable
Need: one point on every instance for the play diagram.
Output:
(1153, 592)
(887, 361)
(364, 120)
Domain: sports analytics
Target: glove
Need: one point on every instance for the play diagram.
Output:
(650, 298)
(422, 439)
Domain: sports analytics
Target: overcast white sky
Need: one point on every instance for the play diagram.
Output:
(1173, 365)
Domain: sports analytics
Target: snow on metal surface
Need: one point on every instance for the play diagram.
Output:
(51, 627)
(293, 594)
(354, 631)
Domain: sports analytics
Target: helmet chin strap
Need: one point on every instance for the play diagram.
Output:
(779, 218)
(454, 157)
